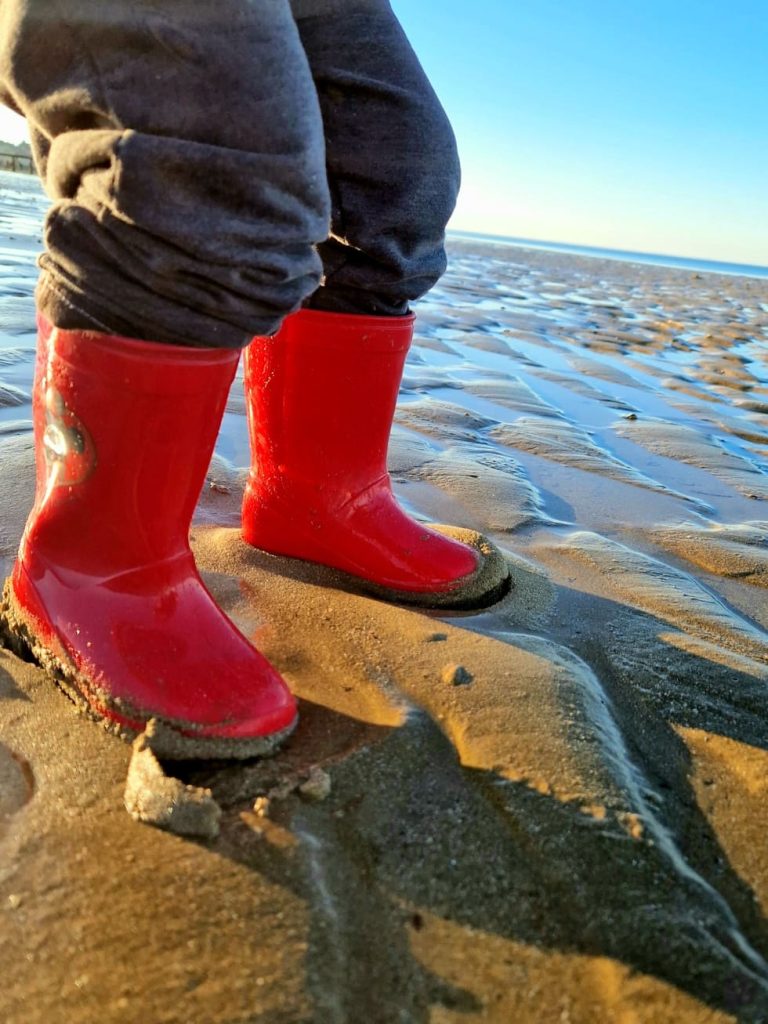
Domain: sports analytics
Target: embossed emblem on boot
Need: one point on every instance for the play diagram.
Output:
(68, 447)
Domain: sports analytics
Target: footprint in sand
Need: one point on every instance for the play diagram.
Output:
(17, 784)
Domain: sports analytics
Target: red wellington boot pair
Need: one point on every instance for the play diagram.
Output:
(105, 593)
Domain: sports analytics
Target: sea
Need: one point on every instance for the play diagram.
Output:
(657, 259)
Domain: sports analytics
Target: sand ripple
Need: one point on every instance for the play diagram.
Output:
(591, 368)
(639, 581)
(685, 444)
(442, 420)
(491, 486)
(570, 446)
(576, 385)
(735, 551)
(514, 394)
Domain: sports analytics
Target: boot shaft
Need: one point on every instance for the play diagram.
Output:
(321, 398)
(124, 432)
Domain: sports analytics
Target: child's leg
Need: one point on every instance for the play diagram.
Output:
(391, 155)
(183, 147)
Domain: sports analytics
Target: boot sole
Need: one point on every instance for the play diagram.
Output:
(17, 635)
(490, 582)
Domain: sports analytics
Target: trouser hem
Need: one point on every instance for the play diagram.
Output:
(70, 309)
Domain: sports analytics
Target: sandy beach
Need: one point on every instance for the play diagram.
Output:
(553, 810)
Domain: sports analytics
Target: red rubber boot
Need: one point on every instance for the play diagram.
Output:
(321, 398)
(105, 593)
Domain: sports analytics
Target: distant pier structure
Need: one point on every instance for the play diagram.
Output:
(16, 158)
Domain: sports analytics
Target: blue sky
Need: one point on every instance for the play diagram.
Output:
(637, 126)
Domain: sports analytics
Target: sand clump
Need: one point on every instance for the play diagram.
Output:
(158, 799)
(455, 675)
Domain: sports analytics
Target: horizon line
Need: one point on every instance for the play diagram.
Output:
(542, 243)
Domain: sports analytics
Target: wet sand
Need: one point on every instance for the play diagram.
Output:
(551, 811)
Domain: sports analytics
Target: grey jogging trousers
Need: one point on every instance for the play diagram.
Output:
(215, 166)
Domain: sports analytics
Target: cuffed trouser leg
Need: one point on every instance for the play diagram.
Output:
(182, 144)
(392, 163)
